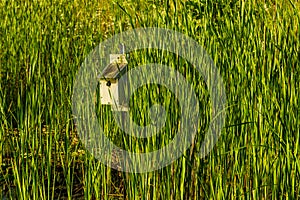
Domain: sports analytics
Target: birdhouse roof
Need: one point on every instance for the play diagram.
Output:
(113, 70)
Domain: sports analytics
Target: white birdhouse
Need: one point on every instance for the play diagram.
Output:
(112, 91)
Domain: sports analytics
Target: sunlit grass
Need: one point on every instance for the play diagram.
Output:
(255, 46)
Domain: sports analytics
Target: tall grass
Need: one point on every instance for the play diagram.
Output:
(255, 46)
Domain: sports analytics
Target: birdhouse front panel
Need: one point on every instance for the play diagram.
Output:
(109, 92)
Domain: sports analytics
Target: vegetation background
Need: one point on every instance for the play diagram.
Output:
(255, 46)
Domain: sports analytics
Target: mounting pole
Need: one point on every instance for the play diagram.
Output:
(122, 48)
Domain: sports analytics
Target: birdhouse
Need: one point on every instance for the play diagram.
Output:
(112, 91)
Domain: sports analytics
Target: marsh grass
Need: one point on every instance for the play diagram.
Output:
(255, 46)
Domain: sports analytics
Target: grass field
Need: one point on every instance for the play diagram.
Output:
(255, 46)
